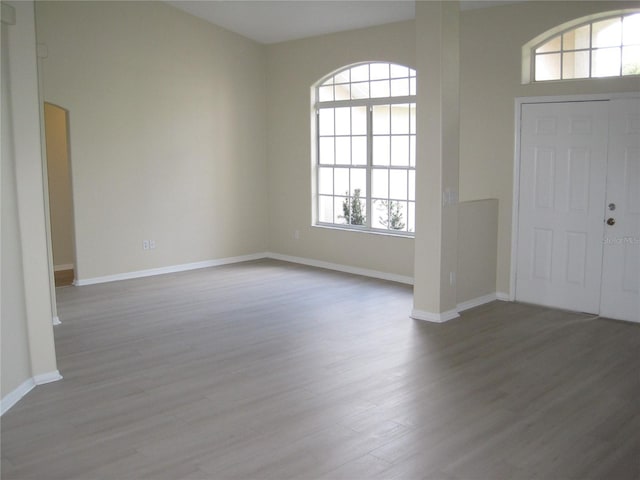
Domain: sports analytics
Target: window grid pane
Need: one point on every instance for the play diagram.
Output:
(343, 77)
(548, 66)
(575, 64)
(606, 33)
(631, 30)
(553, 45)
(605, 62)
(338, 212)
(578, 39)
(343, 150)
(631, 60)
(325, 209)
(342, 92)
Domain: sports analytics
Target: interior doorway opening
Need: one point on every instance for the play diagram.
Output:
(56, 120)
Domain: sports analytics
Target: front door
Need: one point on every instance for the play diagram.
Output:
(579, 207)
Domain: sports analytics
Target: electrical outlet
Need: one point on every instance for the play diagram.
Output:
(145, 244)
(449, 197)
(152, 244)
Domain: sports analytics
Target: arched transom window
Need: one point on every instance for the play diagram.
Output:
(366, 148)
(607, 47)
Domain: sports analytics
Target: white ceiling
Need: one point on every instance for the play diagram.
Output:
(272, 21)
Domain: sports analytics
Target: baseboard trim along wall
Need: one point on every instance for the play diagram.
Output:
(476, 302)
(505, 297)
(460, 307)
(342, 268)
(16, 395)
(434, 317)
(47, 377)
(171, 269)
(59, 268)
(244, 258)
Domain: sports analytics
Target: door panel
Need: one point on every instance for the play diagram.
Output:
(563, 163)
(621, 260)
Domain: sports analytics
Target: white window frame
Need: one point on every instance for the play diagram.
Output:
(369, 103)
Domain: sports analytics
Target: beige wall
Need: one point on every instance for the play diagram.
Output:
(477, 249)
(26, 323)
(491, 42)
(167, 133)
(60, 203)
(293, 67)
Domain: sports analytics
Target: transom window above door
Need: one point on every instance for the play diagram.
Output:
(606, 47)
(365, 132)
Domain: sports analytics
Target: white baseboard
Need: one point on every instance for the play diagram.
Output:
(79, 282)
(47, 377)
(451, 314)
(504, 297)
(10, 399)
(56, 320)
(434, 317)
(66, 266)
(476, 302)
(171, 269)
(342, 268)
(25, 387)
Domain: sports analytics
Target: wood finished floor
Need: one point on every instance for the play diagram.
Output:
(277, 371)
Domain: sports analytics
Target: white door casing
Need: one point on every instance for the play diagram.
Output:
(621, 256)
(564, 182)
(563, 161)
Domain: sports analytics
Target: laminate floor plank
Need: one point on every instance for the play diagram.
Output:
(278, 371)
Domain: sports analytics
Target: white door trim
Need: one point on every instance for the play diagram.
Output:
(519, 102)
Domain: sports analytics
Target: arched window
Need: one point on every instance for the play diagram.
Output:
(365, 133)
(607, 46)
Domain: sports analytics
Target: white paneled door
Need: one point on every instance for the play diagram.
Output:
(578, 244)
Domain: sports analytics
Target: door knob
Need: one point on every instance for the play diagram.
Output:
(611, 221)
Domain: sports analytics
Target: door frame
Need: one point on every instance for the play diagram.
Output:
(519, 102)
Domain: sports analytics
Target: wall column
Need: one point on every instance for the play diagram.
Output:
(23, 114)
(438, 126)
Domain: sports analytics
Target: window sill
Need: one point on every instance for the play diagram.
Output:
(407, 235)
